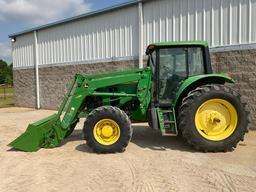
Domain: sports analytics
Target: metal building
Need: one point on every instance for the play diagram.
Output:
(114, 32)
(116, 37)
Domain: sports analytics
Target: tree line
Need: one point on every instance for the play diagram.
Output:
(6, 75)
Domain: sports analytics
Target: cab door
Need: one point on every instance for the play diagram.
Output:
(174, 65)
(172, 70)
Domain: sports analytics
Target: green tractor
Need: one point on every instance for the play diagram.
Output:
(177, 94)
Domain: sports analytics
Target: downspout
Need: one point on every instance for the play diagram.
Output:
(141, 34)
(37, 71)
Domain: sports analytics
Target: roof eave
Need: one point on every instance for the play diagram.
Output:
(90, 14)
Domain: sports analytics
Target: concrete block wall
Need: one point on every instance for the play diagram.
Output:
(24, 88)
(54, 81)
(242, 64)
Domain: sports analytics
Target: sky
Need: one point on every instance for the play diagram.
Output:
(18, 15)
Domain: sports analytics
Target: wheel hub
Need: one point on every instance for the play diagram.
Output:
(216, 119)
(106, 132)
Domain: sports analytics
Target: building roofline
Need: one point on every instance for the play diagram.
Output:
(82, 16)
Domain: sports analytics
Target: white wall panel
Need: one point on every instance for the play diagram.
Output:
(115, 34)
(220, 22)
(23, 51)
(253, 21)
(104, 36)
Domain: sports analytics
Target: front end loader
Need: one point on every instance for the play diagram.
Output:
(176, 93)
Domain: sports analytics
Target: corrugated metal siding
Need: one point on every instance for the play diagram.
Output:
(106, 36)
(220, 22)
(23, 51)
(116, 34)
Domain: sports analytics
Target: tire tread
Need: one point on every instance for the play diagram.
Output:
(185, 126)
(119, 114)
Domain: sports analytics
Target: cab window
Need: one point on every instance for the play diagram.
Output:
(196, 61)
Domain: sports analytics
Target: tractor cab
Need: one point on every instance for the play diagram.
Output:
(172, 63)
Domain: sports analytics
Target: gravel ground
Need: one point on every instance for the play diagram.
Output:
(150, 163)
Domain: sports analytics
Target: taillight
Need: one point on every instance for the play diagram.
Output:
(231, 75)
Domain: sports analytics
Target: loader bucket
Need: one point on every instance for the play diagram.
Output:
(42, 134)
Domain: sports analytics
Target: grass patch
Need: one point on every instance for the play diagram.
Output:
(8, 90)
(7, 100)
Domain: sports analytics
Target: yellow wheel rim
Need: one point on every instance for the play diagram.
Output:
(216, 119)
(106, 132)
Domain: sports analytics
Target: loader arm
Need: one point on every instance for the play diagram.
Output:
(89, 86)
(49, 132)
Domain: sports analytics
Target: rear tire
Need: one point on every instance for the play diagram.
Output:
(107, 129)
(223, 122)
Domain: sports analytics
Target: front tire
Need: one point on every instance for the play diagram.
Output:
(107, 129)
(212, 118)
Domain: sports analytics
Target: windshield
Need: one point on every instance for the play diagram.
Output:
(172, 61)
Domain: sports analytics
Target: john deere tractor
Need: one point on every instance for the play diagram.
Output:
(177, 94)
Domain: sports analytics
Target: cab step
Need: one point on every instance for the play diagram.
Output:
(167, 121)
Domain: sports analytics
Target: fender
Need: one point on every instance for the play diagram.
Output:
(192, 82)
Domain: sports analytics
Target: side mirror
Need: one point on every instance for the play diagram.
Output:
(150, 49)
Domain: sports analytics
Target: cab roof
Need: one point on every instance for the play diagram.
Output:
(153, 46)
(177, 43)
